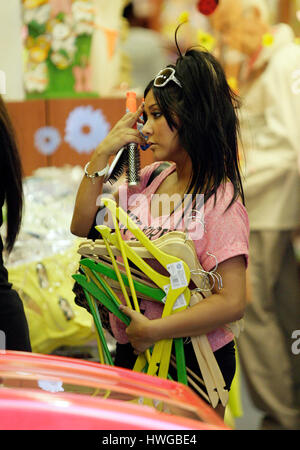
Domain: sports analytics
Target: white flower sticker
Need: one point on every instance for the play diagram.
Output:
(83, 11)
(85, 129)
(68, 44)
(47, 140)
(83, 16)
(61, 31)
(40, 14)
(51, 385)
(36, 77)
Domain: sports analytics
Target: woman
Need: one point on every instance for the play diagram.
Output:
(189, 120)
(12, 317)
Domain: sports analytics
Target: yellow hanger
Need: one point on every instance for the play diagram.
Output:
(176, 243)
(128, 273)
(164, 259)
(125, 261)
(163, 282)
(97, 248)
(105, 232)
(177, 283)
(214, 381)
(167, 261)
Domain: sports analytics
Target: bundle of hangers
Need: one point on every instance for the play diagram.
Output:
(104, 276)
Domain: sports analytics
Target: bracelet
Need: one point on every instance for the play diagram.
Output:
(95, 174)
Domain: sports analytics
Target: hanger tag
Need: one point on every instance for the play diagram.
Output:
(178, 278)
(180, 301)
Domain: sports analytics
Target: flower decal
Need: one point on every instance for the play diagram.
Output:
(58, 32)
(63, 42)
(83, 16)
(51, 385)
(40, 14)
(85, 129)
(206, 40)
(36, 77)
(47, 140)
(267, 39)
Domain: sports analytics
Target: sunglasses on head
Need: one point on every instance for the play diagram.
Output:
(164, 76)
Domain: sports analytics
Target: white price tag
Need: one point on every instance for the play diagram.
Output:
(178, 278)
(180, 301)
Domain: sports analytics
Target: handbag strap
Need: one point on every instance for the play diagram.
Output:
(93, 233)
(159, 169)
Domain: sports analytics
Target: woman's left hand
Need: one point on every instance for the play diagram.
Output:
(138, 332)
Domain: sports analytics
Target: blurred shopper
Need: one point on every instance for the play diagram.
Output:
(12, 316)
(268, 59)
(145, 48)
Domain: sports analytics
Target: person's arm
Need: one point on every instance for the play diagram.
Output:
(222, 307)
(89, 190)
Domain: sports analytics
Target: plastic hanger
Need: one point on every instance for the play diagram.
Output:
(176, 243)
(100, 295)
(173, 242)
(177, 282)
(213, 377)
(147, 292)
(125, 260)
(106, 357)
(105, 232)
(162, 281)
(97, 252)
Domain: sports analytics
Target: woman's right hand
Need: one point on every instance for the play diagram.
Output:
(122, 134)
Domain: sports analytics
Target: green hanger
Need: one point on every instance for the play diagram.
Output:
(180, 361)
(155, 293)
(101, 297)
(162, 349)
(112, 306)
(97, 320)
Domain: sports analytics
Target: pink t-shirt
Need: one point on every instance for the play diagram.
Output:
(217, 236)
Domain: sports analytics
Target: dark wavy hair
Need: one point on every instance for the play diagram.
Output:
(11, 189)
(204, 113)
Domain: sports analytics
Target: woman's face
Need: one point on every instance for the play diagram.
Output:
(164, 142)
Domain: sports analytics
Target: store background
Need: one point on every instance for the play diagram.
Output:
(62, 104)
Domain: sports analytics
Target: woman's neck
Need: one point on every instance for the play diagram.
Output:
(184, 171)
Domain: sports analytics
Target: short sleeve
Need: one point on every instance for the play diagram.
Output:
(226, 234)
